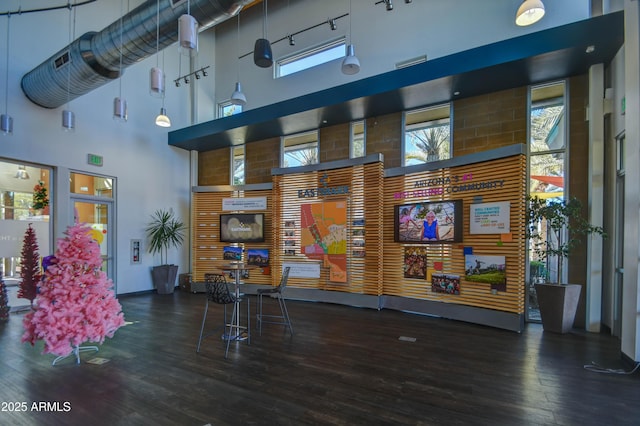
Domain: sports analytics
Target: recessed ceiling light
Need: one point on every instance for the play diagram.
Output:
(590, 49)
(456, 93)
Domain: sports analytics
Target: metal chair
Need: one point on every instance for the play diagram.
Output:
(218, 292)
(275, 292)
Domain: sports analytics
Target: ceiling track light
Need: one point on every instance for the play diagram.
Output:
(332, 24)
(198, 74)
(389, 4)
(291, 37)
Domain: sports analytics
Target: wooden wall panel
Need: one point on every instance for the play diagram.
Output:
(364, 207)
(207, 248)
(510, 172)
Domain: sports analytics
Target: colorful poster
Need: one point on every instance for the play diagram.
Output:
(324, 236)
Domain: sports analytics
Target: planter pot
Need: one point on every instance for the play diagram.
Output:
(164, 278)
(558, 304)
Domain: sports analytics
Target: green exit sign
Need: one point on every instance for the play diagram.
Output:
(95, 160)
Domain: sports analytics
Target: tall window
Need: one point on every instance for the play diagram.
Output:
(427, 135)
(311, 57)
(357, 147)
(300, 149)
(547, 165)
(237, 165)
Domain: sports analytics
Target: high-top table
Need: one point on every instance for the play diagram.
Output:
(238, 268)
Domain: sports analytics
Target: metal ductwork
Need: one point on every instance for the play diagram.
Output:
(94, 58)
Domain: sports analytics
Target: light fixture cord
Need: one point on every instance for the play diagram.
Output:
(350, 17)
(237, 50)
(163, 92)
(157, 34)
(6, 80)
(71, 26)
(120, 71)
(264, 23)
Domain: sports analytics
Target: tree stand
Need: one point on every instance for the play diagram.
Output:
(76, 351)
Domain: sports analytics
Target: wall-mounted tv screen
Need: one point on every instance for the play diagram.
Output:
(428, 222)
(242, 227)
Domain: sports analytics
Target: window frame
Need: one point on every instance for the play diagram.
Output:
(303, 146)
(308, 53)
(437, 122)
(352, 138)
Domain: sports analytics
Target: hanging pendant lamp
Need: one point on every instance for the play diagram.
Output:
(156, 75)
(350, 63)
(162, 119)
(120, 112)
(68, 117)
(188, 33)
(529, 12)
(262, 55)
(238, 98)
(6, 121)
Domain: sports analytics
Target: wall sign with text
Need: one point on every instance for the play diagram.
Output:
(489, 218)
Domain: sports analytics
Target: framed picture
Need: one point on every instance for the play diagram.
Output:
(415, 262)
(486, 269)
(445, 283)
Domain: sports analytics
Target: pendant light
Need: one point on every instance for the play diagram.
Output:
(529, 12)
(120, 112)
(68, 117)
(188, 33)
(350, 64)
(237, 97)
(162, 119)
(262, 55)
(6, 121)
(156, 75)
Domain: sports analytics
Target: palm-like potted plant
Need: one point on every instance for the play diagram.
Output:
(546, 228)
(165, 231)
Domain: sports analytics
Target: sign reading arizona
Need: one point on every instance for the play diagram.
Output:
(324, 236)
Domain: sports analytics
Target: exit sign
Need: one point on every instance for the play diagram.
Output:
(95, 160)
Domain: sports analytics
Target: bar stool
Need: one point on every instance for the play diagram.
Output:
(218, 292)
(275, 292)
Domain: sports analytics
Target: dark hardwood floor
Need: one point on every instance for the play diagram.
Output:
(343, 366)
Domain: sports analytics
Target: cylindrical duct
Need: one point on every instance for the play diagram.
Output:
(94, 58)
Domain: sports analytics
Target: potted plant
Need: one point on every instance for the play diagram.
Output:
(547, 222)
(164, 231)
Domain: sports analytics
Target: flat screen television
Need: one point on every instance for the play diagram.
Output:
(428, 222)
(242, 227)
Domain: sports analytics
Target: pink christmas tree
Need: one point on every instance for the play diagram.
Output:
(30, 266)
(76, 302)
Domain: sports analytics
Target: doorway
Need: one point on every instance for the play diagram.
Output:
(92, 203)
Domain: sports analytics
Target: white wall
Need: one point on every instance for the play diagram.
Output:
(150, 174)
(436, 28)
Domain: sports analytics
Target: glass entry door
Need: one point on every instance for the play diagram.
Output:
(99, 216)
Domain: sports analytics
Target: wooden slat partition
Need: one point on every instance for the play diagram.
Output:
(207, 248)
(510, 170)
(364, 201)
